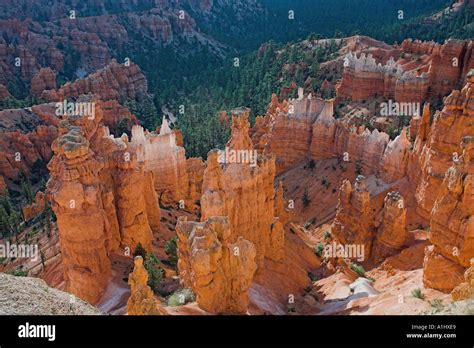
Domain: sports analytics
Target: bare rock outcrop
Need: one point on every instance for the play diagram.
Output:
(289, 125)
(74, 188)
(449, 127)
(354, 222)
(44, 80)
(244, 193)
(32, 296)
(142, 301)
(392, 234)
(34, 209)
(218, 270)
(395, 158)
(416, 71)
(162, 156)
(100, 195)
(452, 224)
(465, 290)
(115, 81)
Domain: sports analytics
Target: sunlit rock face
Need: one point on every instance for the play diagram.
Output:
(452, 224)
(286, 130)
(142, 301)
(449, 127)
(101, 197)
(415, 72)
(392, 234)
(114, 81)
(354, 224)
(465, 290)
(219, 271)
(244, 192)
(162, 156)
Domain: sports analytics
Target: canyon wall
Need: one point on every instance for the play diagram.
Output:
(424, 71)
(381, 230)
(312, 132)
(449, 126)
(289, 125)
(452, 224)
(27, 135)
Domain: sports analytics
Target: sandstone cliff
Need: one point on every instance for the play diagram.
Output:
(449, 126)
(451, 225)
(244, 193)
(424, 71)
(465, 290)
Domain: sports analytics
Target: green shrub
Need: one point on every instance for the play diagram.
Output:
(358, 269)
(155, 272)
(140, 251)
(306, 200)
(319, 249)
(171, 249)
(437, 304)
(181, 297)
(418, 294)
(18, 273)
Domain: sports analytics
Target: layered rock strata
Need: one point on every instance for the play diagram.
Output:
(289, 125)
(100, 195)
(162, 156)
(219, 271)
(465, 290)
(353, 224)
(449, 126)
(452, 224)
(392, 234)
(416, 71)
(244, 192)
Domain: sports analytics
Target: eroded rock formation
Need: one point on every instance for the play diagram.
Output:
(416, 71)
(142, 301)
(31, 210)
(218, 270)
(115, 81)
(162, 156)
(449, 126)
(289, 125)
(354, 222)
(99, 192)
(392, 234)
(244, 193)
(43, 81)
(452, 224)
(465, 290)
